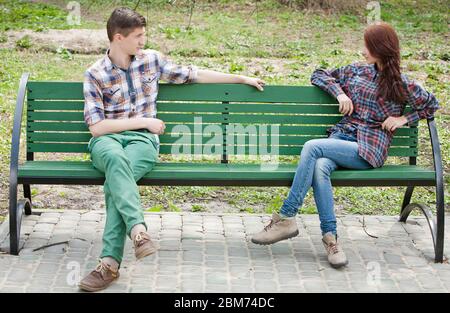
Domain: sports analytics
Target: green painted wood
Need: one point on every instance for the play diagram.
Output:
(249, 114)
(212, 139)
(56, 126)
(300, 140)
(57, 147)
(249, 118)
(198, 128)
(295, 150)
(281, 119)
(293, 108)
(193, 92)
(190, 118)
(59, 137)
(189, 171)
(55, 90)
(247, 108)
(244, 93)
(55, 105)
(316, 130)
(190, 107)
(169, 148)
(55, 116)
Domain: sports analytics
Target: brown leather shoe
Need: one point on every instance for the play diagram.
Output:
(143, 245)
(99, 279)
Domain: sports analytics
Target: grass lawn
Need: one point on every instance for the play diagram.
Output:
(282, 45)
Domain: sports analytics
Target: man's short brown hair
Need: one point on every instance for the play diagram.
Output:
(123, 21)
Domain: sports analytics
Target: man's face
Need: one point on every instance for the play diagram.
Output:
(133, 43)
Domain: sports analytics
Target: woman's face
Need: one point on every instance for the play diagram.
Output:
(369, 58)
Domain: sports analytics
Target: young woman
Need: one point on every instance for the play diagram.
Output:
(372, 98)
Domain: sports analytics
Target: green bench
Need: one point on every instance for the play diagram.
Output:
(216, 119)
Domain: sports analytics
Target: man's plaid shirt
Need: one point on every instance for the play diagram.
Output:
(360, 83)
(113, 93)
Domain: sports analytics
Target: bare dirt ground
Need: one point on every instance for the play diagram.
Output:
(84, 41)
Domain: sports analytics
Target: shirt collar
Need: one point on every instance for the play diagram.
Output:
(374, 70)
(109, 65)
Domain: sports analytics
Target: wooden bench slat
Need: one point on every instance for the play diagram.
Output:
(164, 107)
(35, 105)
(316, 130)
(252, 119)
(221, 171)
(55, 116)
(56, 126)
(259, 108)
(193, 92)
(200, 138)
(167, 149)
(295, 150)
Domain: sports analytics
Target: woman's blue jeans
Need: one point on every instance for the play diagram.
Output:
(318, 159)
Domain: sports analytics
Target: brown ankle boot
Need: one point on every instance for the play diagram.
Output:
(143, 245)
(99, 279)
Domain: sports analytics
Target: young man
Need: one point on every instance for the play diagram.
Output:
(120, 110)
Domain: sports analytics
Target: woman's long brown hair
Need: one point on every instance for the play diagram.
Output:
(382, 42)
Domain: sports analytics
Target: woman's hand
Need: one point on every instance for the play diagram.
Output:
(345, 104)
(392, 123)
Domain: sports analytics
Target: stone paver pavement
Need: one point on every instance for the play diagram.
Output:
(212, 253)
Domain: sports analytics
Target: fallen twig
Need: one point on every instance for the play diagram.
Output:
(56, 243)
(364, 227)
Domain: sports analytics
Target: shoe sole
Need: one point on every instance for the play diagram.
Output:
(294, 234)
(339, 265)
(147, 252)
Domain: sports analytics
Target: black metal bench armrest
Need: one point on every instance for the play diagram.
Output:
(437, 160)
(15, 142)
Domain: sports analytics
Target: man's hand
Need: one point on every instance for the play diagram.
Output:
(156, 126)
(255, 82)
(392, 123)
(213, 77)
(345, 104)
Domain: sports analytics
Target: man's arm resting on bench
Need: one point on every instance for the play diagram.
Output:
(213, 77)
(109, 126)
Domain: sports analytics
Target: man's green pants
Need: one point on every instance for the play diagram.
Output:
(124, 158)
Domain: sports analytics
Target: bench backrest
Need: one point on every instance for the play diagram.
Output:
(221, 119)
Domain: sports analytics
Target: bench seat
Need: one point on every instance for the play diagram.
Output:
(40, 172)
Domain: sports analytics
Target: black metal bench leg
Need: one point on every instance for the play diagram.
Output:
(16, 210)
(436, 226)
(27, 195)
(15, 223)
(407, 197)
(440, 221)
(13, 227)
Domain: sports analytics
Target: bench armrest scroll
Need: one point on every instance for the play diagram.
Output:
(15, 142)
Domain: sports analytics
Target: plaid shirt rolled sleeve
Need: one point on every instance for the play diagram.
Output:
(93, 100)
(173, 73)
(423, 103)
(332, 81)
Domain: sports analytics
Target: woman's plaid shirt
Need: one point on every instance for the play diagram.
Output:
(360, 83)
